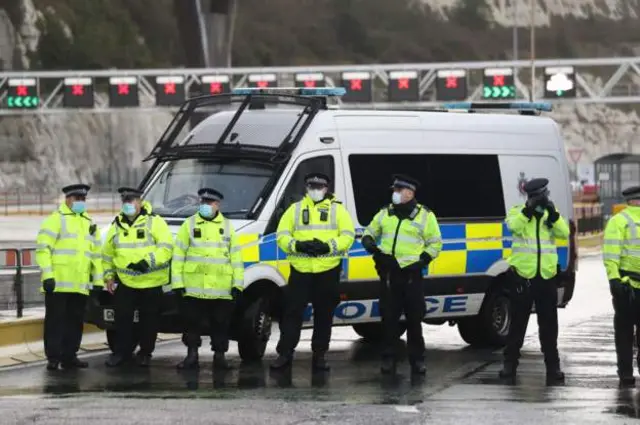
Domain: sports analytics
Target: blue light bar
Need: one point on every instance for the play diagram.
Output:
(299, 91)
(522, 106)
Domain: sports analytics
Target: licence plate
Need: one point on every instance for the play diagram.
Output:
(109, 315)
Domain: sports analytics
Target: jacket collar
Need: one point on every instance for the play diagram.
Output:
(217, 219)
(325, 202)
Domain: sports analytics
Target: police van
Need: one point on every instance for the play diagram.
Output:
(256, 146)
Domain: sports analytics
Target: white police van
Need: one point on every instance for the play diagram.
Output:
(255, 146)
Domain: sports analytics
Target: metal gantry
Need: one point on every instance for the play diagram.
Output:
(597, 80)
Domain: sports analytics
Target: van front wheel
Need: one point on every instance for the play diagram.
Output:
(491, 327)
(255, 331)
(372, 332)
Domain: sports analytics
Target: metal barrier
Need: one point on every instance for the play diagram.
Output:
(18, 260)
(589, 217)
(42, 202)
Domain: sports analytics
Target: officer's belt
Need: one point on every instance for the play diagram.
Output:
(632, 275)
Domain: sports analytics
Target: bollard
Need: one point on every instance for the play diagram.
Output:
(19, 284)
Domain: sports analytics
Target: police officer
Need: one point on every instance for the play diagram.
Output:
(136, 257)
(409, 238)
(208, 272)
(622, 262)
(532, 276)
(68, 254)
(315, 233)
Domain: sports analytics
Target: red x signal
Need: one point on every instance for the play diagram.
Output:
(452, 83)
(22, 91)
(215, 88)
(498, 80)
(262, 84)
(123, 89)
(77, 90)
(310, 84)
(170, 88)
(403, 84)
(356, 84)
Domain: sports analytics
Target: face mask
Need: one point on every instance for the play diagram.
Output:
(539, 209)
(206, 210)
(396, 198)
(78, 207)
(316, 195)
(128, 209)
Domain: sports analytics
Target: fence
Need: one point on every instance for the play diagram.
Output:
(16, 266)
(42, 202)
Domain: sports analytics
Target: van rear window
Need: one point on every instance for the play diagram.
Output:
(453, 186)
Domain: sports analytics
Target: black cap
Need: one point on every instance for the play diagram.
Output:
(536, 186)
(317, 178)
(79, 189)
(209, 194)
(129, 192)
(404, 181)
(631, 193)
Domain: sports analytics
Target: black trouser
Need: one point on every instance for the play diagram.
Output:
(147, 301)
(403, 292)
(63, 321)
(625, 319)
(321, 289)
(216, 313)
(523, 293)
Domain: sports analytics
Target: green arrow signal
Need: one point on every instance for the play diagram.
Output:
(486, 92)
(22, 101)
(496, 92)
(506, 91)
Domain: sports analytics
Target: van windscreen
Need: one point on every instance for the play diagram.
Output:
(175, 192)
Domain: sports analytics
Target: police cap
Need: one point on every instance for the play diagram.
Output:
(536, 186)
(317, 178)
(129, 193)
(631, 193)
(404, 181)
(208, 194)
(79, 189)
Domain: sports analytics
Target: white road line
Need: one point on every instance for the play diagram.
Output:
(407, 409)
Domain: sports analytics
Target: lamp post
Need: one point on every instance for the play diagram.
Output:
(533, 49)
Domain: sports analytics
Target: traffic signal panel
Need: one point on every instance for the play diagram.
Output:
(22, 93)
(358, 87)
(403, 86)
(170, 90)
(498, 83)
(78, 93)
(123, 92)
(451, 85)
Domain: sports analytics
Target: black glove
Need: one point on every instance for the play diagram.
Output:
(618, 288)
(179, 292)
(49, 285)
(553, 214)
(528, 211)
(320, 248)
(141, 266)
(235, 293)
(96, 291)
(305, 247)
(370, 245)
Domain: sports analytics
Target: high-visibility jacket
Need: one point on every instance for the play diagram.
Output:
(68, 250)
(328, 221)
(622, 246)
(407, 238)
(533, 249)
(207, 261)
(149, 239)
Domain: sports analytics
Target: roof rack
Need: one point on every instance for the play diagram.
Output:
(291, 91)
(522, 107)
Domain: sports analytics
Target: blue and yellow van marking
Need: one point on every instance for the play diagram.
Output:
(467, 248)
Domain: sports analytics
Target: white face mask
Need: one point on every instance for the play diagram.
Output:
(316, 195)
(396, 198)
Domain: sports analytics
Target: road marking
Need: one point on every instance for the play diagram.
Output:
(407, 409)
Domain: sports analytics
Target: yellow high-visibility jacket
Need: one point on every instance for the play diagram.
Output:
(622, 245)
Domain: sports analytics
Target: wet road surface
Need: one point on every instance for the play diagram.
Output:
(461, 384)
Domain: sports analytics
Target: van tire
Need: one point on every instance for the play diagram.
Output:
(372, 332)
(491, 327)
(254, 331)
(112, 339)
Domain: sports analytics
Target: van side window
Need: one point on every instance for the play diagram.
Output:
(453, 186)
(296, 187)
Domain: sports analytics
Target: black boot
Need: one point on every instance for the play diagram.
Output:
(74, 363)
(319, 362)
(281, 362)
(143, 360)
(508, 371)
(52, 365)
(627, 381)
(418, 367)
(555, 375)
(191, 360)
(115, 360)
(388, 365)
(220, 362)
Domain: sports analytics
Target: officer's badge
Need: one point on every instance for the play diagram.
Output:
(522, 180)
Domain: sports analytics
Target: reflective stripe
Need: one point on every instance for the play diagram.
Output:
(408, 258)
(65, 252)
(334, 246)
(207, 260)
(291, 245)
(92, 255)
(164, 245)
(238, 248)
(333, 223)
(98, 276)
(181, 245)
(208, 291)
(433, 241)
(519, 240)
(175, 278)
(131, 245)
(237, 265)
(152, 258)
(632, 252)
(532, 250)
(92, 239)
(46, 269)
(330, 255)
(238, 282)
(610, 256)
(177, 257)
(432, 251)
(137, 273)
(71, 285)
(613, 242)
(633, 227)
(166, 288)
(48, 233)
(63, 229)
(209, 245)
(107, 258)
(283, 233)
(42, 246)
